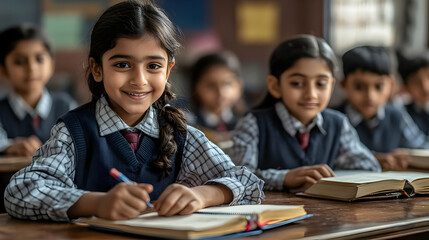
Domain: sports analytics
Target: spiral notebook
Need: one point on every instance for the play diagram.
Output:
(209, 223)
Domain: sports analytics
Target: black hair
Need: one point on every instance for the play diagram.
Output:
(134, 19)
(290, 51)
(408, 65)
(373, 59)
(205, 62)
(10, 37)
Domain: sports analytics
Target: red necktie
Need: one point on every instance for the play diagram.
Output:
(303, 139)
(132, 139)
(36, 121)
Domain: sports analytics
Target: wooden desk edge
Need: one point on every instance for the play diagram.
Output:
(413, 226)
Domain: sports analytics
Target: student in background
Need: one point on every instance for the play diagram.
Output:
(216, 88)
(29, 111)
(291, 140)
(414, 71)
(368, 83)
(128, 126)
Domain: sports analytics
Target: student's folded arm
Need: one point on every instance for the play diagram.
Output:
(274, 179)
(353, 155)
(45, 189)
(205, 163)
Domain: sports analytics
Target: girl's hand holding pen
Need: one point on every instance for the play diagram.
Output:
(121, 177)
(124, 201)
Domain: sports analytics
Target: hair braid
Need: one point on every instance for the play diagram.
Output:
(170, 119)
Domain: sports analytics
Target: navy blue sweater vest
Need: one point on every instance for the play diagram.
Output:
(96, 155)
(420, 118)
(279, 150)
(15, 127)
(386, 137)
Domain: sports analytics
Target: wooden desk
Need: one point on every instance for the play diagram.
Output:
(13, 164)
(377, 219)
(8, 167)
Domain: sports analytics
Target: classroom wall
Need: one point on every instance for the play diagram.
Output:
(249, 28)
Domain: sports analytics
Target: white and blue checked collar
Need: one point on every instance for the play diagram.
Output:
(109, 122)
(356, 118)
(292, 125)
(21, 108)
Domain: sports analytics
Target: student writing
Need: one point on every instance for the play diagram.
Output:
(29, 111)
(368, 83)
(131, 55)
(414, 71)
(291, 140)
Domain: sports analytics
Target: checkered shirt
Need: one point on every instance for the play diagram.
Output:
(45, 189)
(352, 153)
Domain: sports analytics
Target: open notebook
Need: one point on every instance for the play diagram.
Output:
(370, 186)
(214, 222)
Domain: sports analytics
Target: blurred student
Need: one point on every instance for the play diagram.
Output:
(368, 84)
(29, 111)
(129, 126)
(291, 140)
(216, 88)
(414, 71)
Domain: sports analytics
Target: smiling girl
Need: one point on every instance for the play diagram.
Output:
(173, 165)
(291, 140)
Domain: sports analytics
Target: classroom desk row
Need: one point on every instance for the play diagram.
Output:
(405, 218)
(376, 219)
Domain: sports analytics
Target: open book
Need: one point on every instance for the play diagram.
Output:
(370, 186)
(206, 223)
(419, 157)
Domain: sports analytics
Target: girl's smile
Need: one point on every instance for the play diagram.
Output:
(305, 88)
(134, 74)
(137, 95)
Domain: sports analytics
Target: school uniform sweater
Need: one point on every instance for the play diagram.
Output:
(280, 150)
(16, 126)
(388, 130)
(46, 189)
(113, 151)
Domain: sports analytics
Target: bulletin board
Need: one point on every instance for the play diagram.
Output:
(258, 22)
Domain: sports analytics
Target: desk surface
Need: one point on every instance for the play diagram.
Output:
(13, 164)
(332, 219)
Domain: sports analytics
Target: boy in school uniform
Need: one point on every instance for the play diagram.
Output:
(29, 111)
(414, 71)
(368, 84)
(291, 140)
